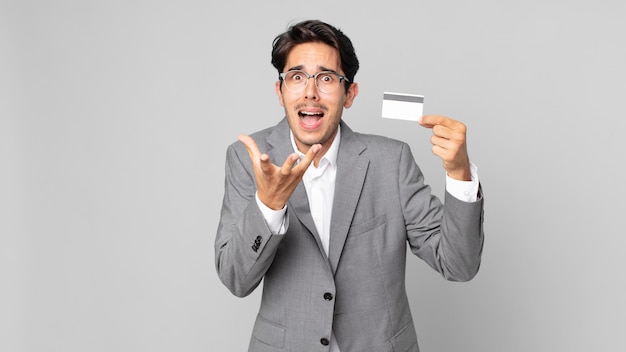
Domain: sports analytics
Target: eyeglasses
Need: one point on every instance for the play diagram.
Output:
(326, 81)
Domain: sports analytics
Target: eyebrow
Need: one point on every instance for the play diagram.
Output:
(322, 68)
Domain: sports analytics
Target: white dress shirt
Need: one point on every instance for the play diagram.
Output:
(320, 188)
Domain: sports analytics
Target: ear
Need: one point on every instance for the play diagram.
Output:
(353, 91)
(279, 93)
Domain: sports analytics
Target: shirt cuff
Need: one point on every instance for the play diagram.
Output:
(466, 191)
(275, 219)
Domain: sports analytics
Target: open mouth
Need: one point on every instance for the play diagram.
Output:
(311, 119)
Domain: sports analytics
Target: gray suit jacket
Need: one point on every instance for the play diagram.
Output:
(381, 204)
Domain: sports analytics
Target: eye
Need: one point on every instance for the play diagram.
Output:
(326, 78)
(296, 76)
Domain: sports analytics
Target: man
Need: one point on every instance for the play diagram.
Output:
(323, 214)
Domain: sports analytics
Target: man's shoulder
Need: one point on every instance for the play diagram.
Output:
(264, 133)
(259, 136)
(379, 142)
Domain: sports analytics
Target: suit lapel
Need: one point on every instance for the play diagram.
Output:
(351, 171)
(298, 203)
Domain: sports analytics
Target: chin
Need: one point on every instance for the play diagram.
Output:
(306, 139)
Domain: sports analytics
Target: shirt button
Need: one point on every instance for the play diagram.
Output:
(324, 341)
(328, 296)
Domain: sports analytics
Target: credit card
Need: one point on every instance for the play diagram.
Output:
(402, 106)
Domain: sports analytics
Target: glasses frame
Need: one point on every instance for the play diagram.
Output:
(308, 76)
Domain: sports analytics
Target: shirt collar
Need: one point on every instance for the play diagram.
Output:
(331, 153)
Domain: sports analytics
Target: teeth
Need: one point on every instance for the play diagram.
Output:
(311, 113)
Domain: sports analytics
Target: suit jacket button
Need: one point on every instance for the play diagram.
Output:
(324, 341)
(328, 296)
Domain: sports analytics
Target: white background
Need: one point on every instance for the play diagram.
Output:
(115, 117)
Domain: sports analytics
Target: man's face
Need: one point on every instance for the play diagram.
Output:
(313, 115)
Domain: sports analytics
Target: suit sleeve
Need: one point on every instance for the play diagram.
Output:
(244, 245)
(448, 236)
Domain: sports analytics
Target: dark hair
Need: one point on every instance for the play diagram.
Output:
(315, 31)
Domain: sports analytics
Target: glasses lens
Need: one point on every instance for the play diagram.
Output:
(296, 80)
(327, 82)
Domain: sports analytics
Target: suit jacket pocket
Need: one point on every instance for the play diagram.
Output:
(367, 226)
(269, 334)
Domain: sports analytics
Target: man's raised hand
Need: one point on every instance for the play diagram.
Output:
(449, 144)
(275, 184)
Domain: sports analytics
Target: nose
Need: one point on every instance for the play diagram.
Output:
(310, 90)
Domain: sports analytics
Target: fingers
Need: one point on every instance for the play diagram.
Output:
(264, 163)
(288, 166)
(430, 121)
(442, 143)
(444, 129)
(310, 156)
(449, 144)
(253, 149)
(261, 161)
(289, 163)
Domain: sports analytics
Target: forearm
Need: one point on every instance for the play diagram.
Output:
(462, 238)
(244, 250)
